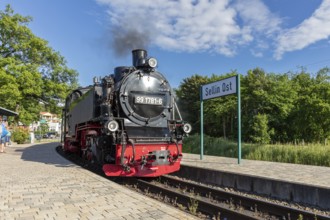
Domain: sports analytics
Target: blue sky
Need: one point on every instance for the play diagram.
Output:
(186, 36)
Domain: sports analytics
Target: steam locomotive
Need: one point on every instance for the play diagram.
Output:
(127, 122)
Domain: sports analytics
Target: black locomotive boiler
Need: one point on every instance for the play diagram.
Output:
(128, 122)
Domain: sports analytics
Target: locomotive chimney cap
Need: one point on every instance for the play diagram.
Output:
(140, 59)
(139, 50)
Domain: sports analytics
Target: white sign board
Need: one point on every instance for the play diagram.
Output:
(220, 88)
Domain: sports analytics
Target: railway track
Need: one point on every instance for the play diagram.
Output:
(215, 203)
(204, 201)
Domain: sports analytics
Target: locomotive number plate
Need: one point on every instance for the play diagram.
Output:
(148, 100)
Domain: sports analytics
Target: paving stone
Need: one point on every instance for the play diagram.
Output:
(37, 183)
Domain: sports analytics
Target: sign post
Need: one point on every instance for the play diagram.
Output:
(239, 119)
(220, 88)
(202, 122)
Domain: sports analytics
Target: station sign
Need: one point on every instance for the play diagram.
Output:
(223, 87)
(228, 86)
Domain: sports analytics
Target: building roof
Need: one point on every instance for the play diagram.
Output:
(45, 113)
(7, 112)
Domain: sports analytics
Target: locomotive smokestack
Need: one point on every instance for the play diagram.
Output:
(139, 57)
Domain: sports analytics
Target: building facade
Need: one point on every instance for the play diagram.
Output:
(54, 123)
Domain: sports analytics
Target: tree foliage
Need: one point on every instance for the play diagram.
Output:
(311, 117)
(30, 71)
(275, 107)
(260, 133)
(189, 100)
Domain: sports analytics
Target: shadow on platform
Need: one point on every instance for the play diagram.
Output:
(43, 153)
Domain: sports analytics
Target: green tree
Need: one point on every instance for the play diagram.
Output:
(275, 107)
(310, 119)
(30, 71)
(270, 94)
(219, 113)
(255, 87)
(189, 99)
(322, 113)
(281, 97)
(43, 129)
(260, 133)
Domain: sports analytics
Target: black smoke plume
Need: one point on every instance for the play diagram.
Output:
(124, 40)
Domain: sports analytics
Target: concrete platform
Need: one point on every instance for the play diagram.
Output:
(37, 183)
(292, 182)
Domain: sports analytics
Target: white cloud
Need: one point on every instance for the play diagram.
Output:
(190, 25)
(257, 17)
(218, 26)
(256, 53)
(311, 30)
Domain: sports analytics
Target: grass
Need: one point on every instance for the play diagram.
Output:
(315, 154)
(310, 154)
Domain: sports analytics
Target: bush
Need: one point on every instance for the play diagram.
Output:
(20, 135)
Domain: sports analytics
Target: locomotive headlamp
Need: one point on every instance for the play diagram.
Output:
(187, 128)
(152, 62)
(113, 126)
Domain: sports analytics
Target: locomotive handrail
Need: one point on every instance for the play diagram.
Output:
(177, 109)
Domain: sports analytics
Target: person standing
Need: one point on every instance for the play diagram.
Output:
(3, 132)
(8, 136)
(1, 143)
